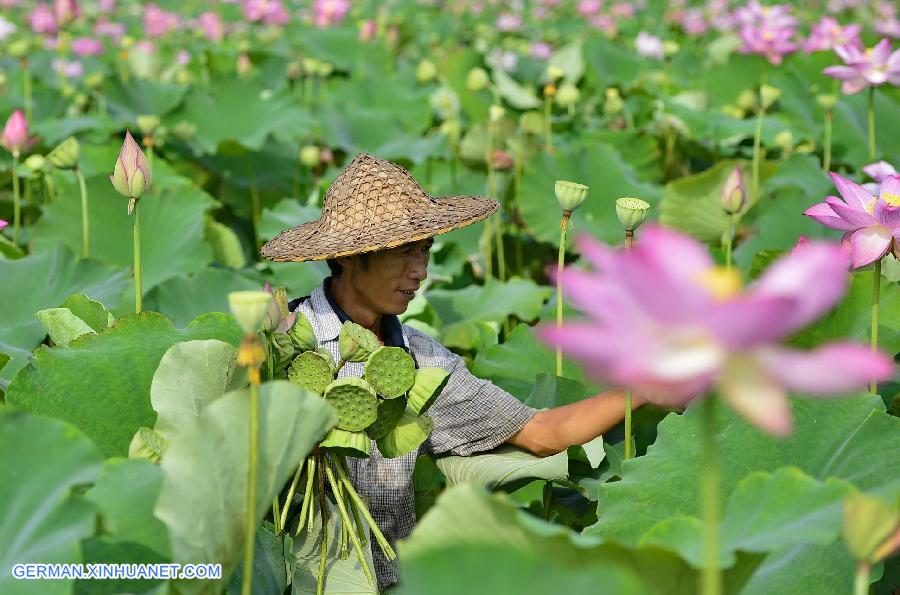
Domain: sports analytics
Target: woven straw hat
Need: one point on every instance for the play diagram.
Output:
(372, 205)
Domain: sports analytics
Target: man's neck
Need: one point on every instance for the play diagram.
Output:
(352, 303)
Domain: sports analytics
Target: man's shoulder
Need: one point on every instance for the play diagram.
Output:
(425, 347)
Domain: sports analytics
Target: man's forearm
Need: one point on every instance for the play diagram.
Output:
(553, 430)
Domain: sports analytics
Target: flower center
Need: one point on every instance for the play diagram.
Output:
(890, 198)
(722, 283)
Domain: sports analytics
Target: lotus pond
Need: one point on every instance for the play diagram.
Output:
(698, 204)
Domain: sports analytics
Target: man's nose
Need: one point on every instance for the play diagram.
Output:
(419, 270)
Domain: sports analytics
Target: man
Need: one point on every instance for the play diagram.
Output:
(375, 232)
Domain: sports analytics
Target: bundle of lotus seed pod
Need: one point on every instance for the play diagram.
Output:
(387, 404)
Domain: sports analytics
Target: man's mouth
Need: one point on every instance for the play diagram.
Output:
(409, 292)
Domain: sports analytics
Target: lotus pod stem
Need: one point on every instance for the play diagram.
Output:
(876, 294)
(85, 216)
(17, 208)
(287, 501)
(360, 506)
(320, 586)
(711, 580)
(307, 494)
(250, 519)
(345, 524)
(561, 258)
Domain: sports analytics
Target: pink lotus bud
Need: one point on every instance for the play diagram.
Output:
(132, 176)
(3, 224)
(65, 11)
(15, 133)
(42, 20)
(734, 196)
(367, 30)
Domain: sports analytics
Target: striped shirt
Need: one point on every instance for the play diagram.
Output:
(471, 415)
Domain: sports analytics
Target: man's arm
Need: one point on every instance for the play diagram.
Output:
(553, 430)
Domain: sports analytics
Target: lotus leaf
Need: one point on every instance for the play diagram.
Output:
(409, 433)
(427, 387)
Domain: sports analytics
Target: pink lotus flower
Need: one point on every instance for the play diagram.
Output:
(42, 20)
(3, 224)
(158, 22)
(766, 30)
(211, 25)
(65, 11)
(105, 6)
(508, 21)
(693, 22)
(367, 30)
(131, 176)
(649, 46)
(622, 10)
(15, 133)
(828, 34)
(871, 225)
(668, 324)
(879, 171)
(330, 12)
(68, 68)
(888, 27)
(541, 50)
(866, 68)
(86, 46)
(588, 8)
(109, 28)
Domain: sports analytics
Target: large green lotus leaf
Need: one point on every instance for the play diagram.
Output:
(515, 364)
(492, 302)
(286, 214)
(515, 94)
(272, 563)
(638, 149)
(610, 64)
(231, 110)
(300, 278)
(43, 280)
(44, 520)
(375, 131)
(92, 312)
(467, 518)
(395, 98)
(204, 494)
(225, 244)
(53, 131)
(454, 65)
(852, 317)
(172, 222)
(342, 47)
(569, 58)
(101, 383)
(693, 204)
(832, 439)
(141, 96)
(720, 127)
(125, 495)
(208, 290)
(190, 376)
(550, 390)
(342, 577)
(503, 466)
(606, 174)
(62, 326)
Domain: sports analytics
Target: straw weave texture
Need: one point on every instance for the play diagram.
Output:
(374, 204)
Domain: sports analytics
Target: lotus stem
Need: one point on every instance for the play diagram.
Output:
(287, 501)
(389, 552)
(876, 295)
(491, 187)
(276, 517)
(254, 206)
(563, 226)
(757, 138)
(338, 491)
(629, 451)
(26, 88)
(307, 494)
(712, 578)
(871, 123)
(85, 216)
(826, 161)
(861, 581)
(517, 185)
(138, 292)
(548, 125)
(323, 512)
(729, 241)
(548, 499)
(250, 519)
(345, 523)
(17, 207)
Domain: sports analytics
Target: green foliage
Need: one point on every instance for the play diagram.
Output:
(502, 466)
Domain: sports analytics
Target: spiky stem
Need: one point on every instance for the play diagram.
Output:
(250, 518)
(563, 226)
(872, 123)
(17, 207)
(712, 578)
(876, 295)
(138, 291)
(85, 215)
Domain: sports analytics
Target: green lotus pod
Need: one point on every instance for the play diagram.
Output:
(769, 95)
(302, 333)
(147, 444)
(428, 385)
(65, 154)
(356, 343)
(632, 212)
(868, 522)
(349, 444)
(391, 371)
(328, 358)
(426, 71)
(249, 308)
(354, 401)
(36, 163)
(389, 413)
(312, 370)
(409, 433)
(570, 195)
(477, 79)
(310, 156)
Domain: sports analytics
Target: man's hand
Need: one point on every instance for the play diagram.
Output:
(553, 430)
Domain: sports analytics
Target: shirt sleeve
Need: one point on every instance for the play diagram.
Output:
(472, 415)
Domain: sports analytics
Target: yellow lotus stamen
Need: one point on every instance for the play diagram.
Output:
(890, 198)
(722, 283)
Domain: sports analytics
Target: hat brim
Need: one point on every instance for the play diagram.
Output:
(316, 241)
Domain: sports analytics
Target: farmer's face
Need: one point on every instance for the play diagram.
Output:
(388, 282)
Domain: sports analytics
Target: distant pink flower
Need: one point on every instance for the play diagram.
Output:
(65, 11)
(86, 46)
(766, 30)
(108, 28)
(158, 22)
(183, 58)
(665, 322)
(605, 24)
(3, 224)
(828, 33)
(776, 16)
(210, 23)
(105, 6)
(623, 10)
(888, 27)
(879, 171)
(649, 46)
(330, 12)
(541, 50)
(693, 22)
(509, 21)
(866, 68)
(42, 20)
(367, 30)
(871, 225)
(15, 133)
(588, 8)
(68, 68)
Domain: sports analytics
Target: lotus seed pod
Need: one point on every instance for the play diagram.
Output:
(36, 163)
(631, 212)
(354, 401)
(868, 522)
(325, 69)
(184, 130)
(311, 370)
(570, 194)
(769, 95)
(827, 101)
(532, 122)
(670, 48)
(428, 385)
(568, 94)
(348, 444)
(477, 79)
(302, 333)
(496, 113)
(310, 66)
(554, 73)
(784, 140)
(65, 154)
(614, 103)
(356, 343)
(325, 353)
(410, 432)
(310, 156)
(734, 195)
(147, 444)
(18, 48)
(445, 103)
(389, 413)
(733, 112)
(426, 71)
(452, 130)
(148, 123)
(746, 100)
(249, 308)
(391, 371)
